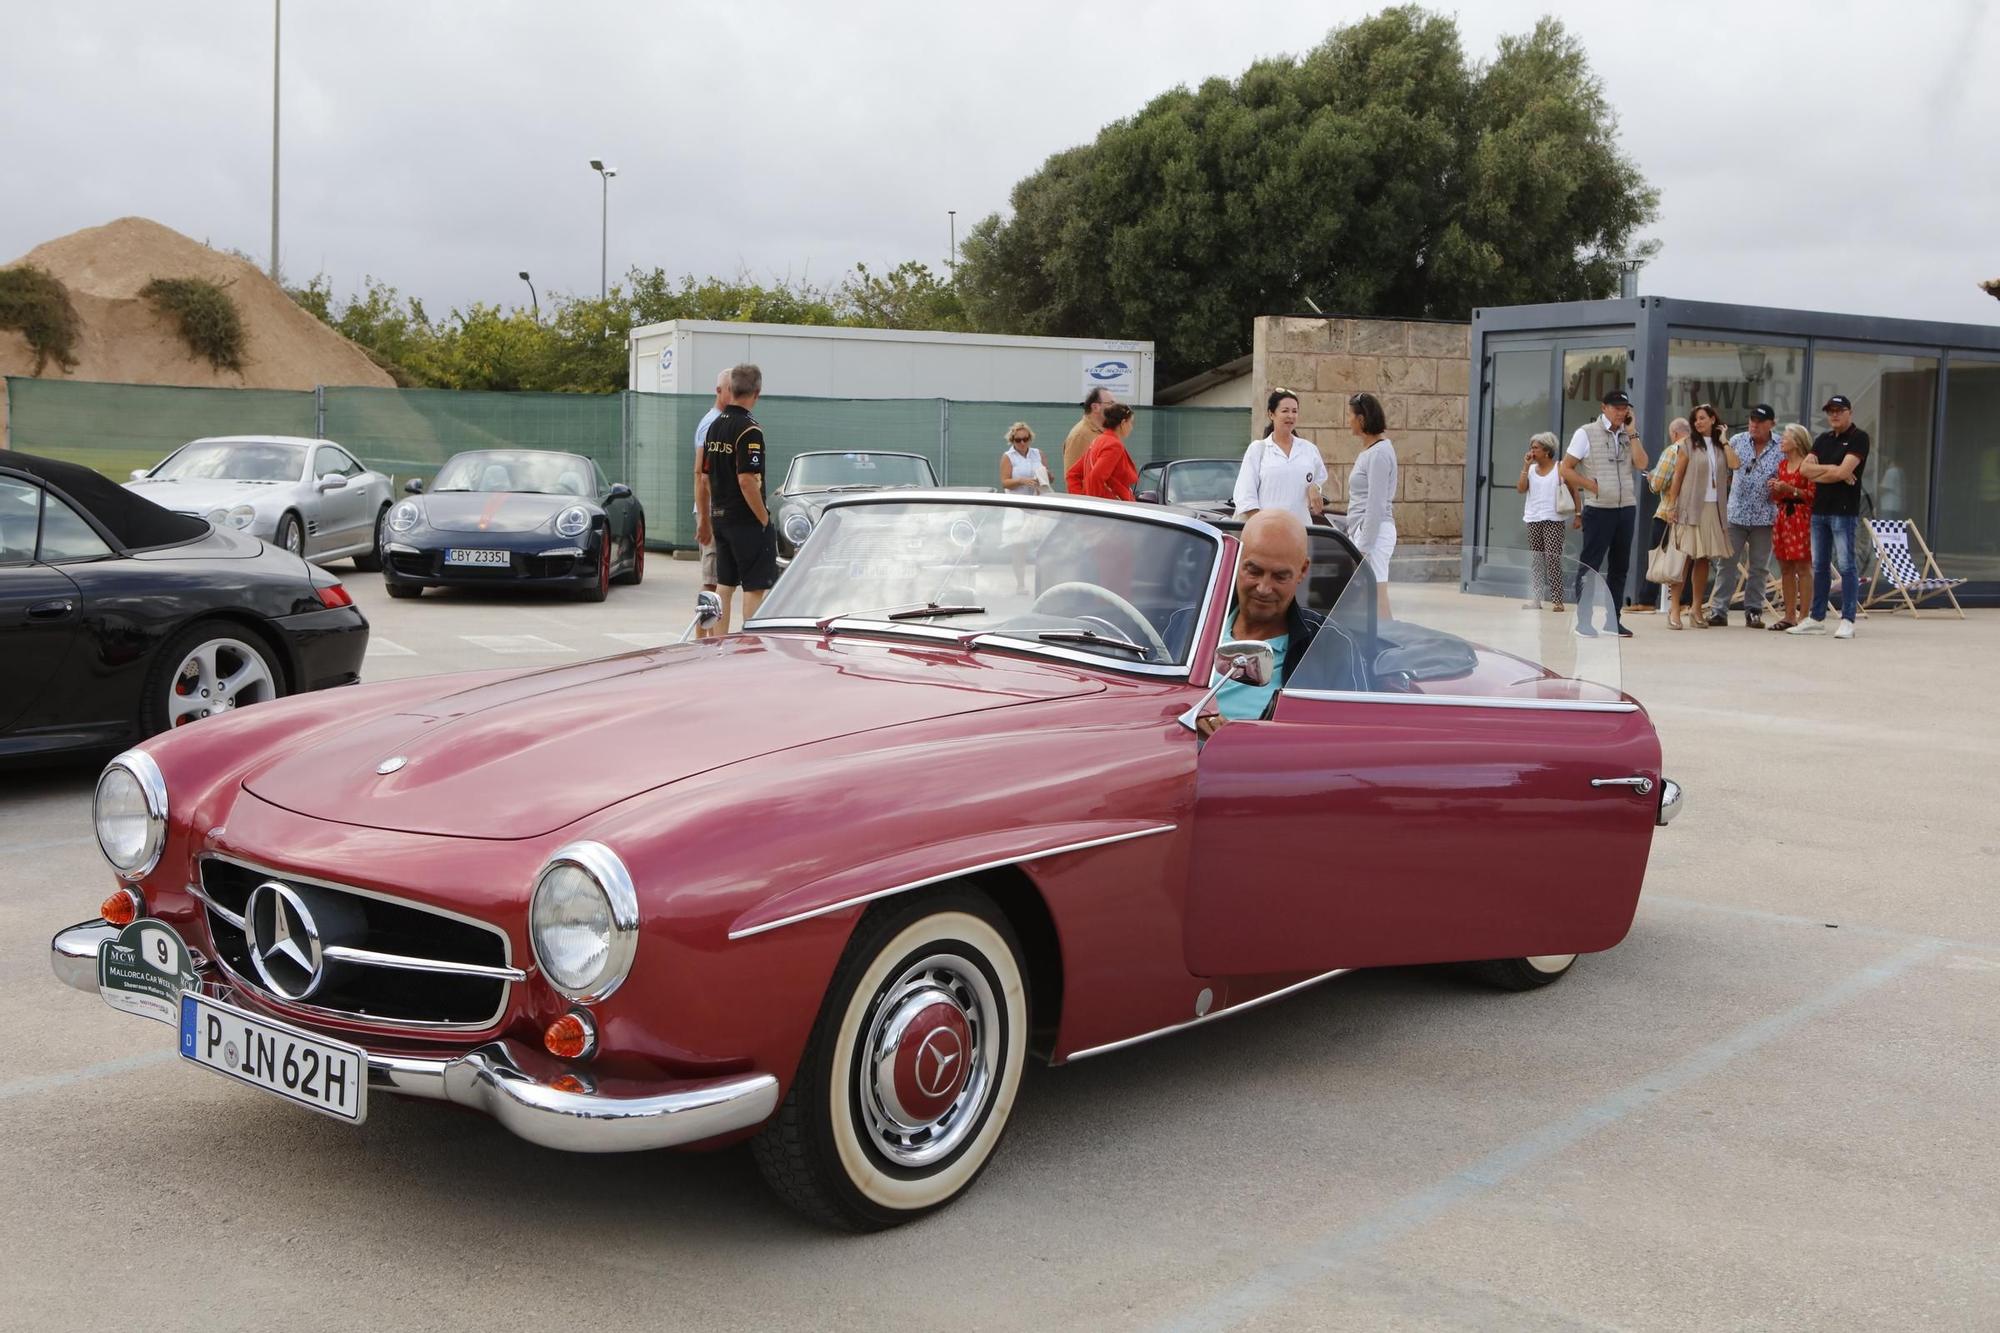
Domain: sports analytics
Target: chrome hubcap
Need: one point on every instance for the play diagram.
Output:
(294, 537)
(1550, 962)
(217, 676)
(929, 1061)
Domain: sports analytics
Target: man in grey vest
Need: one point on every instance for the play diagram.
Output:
(1604, 460)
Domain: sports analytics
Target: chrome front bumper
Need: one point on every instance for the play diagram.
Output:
(494, 1079)
(1671, 800)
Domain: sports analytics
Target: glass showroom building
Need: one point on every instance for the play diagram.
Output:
(1928, 395)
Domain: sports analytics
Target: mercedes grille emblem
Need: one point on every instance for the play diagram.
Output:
(284, 940)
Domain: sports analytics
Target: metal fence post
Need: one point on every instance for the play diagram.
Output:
(625, 434)
(319, 410)
(944, 441)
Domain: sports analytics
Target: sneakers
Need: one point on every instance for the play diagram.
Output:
(1753, 622)
(1718, 620)
(1809, 627)
(1846, 630)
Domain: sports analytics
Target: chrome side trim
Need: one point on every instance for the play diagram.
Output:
(1461, 701)
(928, 880)
(1209, 1017)
(200, 895)
(370, 958)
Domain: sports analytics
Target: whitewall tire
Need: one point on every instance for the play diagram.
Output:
(1526, 973)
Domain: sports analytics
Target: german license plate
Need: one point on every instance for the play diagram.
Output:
(326, 1076)
(455, 555)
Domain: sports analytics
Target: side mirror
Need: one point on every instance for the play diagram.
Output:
(414, 486)
(139, 473)
(707, 610)
(1149, 497)
(619, 491)
(332, 481)
(1250, 661)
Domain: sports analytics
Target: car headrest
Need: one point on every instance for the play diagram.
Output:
(496, 478)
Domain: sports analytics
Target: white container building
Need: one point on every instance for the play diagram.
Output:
(815, 361)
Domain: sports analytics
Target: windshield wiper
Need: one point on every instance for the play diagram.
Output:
(913, 611)
(926, 612)
(1091, 636)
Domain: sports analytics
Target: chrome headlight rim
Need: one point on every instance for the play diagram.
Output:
(572, 522)
(604, 868)
(235, 517)
(153, 788)
(405, 516)
(797, 527)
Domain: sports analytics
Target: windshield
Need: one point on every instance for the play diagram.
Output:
(1499, 640)
(1054, 578)
(521, 470)
(1201, 481)
(234, 460)
(819, 472)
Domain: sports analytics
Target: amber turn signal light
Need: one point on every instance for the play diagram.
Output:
(571, 1037)
(122, 908)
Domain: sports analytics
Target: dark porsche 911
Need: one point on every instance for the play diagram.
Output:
(516, 518)
(815, 478)
(119, 618)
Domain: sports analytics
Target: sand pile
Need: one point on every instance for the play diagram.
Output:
(125, 340)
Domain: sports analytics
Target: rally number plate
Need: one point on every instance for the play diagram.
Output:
(326, 1076)
(458, 556)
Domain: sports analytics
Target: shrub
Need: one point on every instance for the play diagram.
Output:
(206, 315)
(32, 301)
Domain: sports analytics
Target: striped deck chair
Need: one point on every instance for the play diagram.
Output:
(1903, 561)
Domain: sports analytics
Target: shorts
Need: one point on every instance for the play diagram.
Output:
(1378, 558)
(746, 555)
(707, 564)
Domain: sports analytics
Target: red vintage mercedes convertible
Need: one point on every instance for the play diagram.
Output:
(826, 884)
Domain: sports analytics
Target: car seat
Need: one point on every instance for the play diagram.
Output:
(496, 477)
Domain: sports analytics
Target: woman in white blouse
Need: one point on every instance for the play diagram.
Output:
(1371, 493)
(1541, 481)
(1022, 472)
(1283, 470)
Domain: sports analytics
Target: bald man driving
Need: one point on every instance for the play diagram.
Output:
(1269, 575)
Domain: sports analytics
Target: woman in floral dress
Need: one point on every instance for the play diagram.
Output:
(1791, 535)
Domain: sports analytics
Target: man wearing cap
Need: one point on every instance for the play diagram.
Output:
(1603, 460)
(1752, 511)
(1838, 456)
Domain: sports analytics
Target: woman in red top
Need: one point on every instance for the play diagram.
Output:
(1791, 535)
(1106, 470)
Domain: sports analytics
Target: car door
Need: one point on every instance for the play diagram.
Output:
(1426, 798)
(39, 606)
(345, 516)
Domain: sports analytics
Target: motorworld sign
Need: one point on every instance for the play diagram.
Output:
(1119, 374)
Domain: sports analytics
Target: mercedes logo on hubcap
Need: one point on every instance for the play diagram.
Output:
(937, 1062)
(284, 940)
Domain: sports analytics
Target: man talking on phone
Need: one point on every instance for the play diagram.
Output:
(1603, 461)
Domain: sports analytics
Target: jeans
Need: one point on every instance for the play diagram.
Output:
(1833, 533)
(1607, 539)
(1758, 542)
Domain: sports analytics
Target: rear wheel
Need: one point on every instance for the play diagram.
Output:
(211, 667)
(371, 563)
(1526, 973)
(637, 574)
(910, 1075)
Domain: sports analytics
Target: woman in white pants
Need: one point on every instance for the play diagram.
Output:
(1282, 470)
(1371, 493)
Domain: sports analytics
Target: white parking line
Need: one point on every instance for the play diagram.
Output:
(381, 647)
(515, 643)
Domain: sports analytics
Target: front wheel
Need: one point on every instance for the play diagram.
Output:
(371, 562)
(910, 1075)
(637, 574)
(1526, 973)
(291, 534)
(599, 588)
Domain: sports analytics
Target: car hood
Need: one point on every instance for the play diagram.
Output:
(495, 511)
(198, 497)
(524, 756)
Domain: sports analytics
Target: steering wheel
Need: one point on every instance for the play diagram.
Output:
(1136, 621)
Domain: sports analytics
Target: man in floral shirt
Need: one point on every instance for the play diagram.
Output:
(1752, 511)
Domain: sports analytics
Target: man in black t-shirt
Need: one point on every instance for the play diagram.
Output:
(1834, 466)
(729, 487)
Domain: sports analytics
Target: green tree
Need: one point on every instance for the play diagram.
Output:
(1380, 173)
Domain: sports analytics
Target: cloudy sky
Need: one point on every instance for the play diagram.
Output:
(1824, 154)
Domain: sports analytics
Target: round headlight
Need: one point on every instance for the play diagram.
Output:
(130, 813)
(217, 516)
(573, 521)
(797, 528)
(240, 517)
(406, 516)
(583, 921)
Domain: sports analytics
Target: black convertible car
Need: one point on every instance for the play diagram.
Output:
(119, 619)
(815, 478)
(515, 518)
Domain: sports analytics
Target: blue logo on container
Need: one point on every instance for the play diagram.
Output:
(666, 359)
(1110, 370)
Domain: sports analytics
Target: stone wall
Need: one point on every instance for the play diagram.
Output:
(1418, 368)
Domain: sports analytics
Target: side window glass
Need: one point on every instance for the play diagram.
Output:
(327, 460)
(20, 514)
(65, 536)
(348, 467)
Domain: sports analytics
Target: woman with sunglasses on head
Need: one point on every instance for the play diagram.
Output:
(1283, 470)
(1699, 501)
(1371, 493)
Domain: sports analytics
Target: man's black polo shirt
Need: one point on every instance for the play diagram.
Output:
(734, 447)
(1837, 497)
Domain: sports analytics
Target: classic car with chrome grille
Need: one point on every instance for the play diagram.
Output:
(827, 884)
(523, 518)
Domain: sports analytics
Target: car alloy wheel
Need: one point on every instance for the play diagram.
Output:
(909, 1079)
(370, 562)
(207, 669)
(600, 589)
(291, 535)
(637, 574)
(1529, 973)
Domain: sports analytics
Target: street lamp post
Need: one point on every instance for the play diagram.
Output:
(277, 32)
(531, 295)
(604, 229)
(952, 213)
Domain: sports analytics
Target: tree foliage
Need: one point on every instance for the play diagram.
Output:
(1380, 173)
(205, 315)
(37, 306)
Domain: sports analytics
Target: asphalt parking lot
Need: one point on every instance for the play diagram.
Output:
(1774, 1106)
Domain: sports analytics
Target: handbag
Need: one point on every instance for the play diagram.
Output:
(1667, 563)
(1565, 502)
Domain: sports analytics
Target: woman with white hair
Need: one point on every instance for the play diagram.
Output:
(1542, 482)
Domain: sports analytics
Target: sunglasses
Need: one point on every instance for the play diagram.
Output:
(1019, 439)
